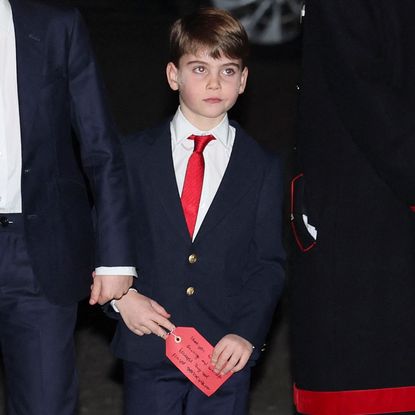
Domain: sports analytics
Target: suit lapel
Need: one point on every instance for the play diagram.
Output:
(164, 181)
(238, 178)
(29, 56)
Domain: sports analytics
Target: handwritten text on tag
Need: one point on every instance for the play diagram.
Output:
(192, 353)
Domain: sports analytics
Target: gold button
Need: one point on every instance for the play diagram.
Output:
(190, 291)
(192, 258)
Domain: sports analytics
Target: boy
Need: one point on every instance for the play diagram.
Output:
(210, 253)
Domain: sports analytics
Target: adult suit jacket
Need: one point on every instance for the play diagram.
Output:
(59, 90)
(353, 292)
(238, 273)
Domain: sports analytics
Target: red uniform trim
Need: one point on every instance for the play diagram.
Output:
(412, 208)
(355, 402)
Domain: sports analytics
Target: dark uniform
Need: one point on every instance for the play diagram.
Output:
(353, 291)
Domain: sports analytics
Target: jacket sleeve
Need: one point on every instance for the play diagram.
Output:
(101, 153)
(264, 276)
(359, 47)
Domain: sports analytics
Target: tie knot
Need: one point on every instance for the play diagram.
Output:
(201, 141)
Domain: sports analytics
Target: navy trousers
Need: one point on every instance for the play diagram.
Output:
(166, 391)
(36, 337)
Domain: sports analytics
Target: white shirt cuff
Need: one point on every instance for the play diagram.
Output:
(114, 302)
(127, 271)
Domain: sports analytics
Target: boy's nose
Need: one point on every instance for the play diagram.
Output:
(213, 82)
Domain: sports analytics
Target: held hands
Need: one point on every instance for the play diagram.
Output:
(231, 354)
(108, 287)
(142, 315)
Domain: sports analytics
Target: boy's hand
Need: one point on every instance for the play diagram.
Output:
(142, 315)
(231, 354)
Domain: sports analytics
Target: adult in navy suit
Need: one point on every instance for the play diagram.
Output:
(353, 289)
(49, 88)
(222, 274)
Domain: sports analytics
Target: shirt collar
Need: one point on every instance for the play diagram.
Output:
(182, 129)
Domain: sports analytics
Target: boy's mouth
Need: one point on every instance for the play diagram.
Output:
(212, 100)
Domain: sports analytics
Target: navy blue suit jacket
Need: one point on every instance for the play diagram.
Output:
(59, 92)
(238, 275)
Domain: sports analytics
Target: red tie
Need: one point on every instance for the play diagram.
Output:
(193, 181)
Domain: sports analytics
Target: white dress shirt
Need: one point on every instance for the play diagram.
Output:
(10, 138)
(216, 154)
(10, 142)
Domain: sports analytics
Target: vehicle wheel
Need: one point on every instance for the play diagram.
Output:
(267, 22)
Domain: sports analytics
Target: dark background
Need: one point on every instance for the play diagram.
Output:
(130, 39)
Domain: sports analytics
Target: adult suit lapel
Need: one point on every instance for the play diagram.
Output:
(29, 35)
(239, 176)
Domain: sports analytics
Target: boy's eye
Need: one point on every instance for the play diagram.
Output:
(229, 71)
(199, 69)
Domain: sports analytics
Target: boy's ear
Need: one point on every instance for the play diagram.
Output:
(244, 78)
(172, 74)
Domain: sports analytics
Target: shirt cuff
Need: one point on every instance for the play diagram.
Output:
(114, 302)
(127, 271)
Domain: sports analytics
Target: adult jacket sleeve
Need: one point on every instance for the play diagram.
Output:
(100, 150)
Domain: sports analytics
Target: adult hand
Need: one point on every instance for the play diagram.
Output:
(108, 287)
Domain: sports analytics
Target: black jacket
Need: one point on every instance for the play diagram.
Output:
(353, 293)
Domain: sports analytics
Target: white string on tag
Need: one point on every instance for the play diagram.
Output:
(177, 339)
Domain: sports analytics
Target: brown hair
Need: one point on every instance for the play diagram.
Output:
(212, 29)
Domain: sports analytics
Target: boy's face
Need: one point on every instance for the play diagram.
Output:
(207, 87)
